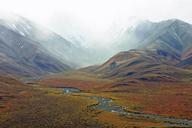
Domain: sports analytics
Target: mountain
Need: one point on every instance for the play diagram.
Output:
(28, 48)
(23, 51)
(90, 44)
(162, 52)
(51, 41)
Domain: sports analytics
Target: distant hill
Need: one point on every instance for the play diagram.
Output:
(163, 52)
(23, 51)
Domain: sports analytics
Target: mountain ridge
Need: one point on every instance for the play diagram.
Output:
(169, 47)
(24, 56)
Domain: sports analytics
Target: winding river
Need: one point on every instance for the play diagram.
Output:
(107, 104)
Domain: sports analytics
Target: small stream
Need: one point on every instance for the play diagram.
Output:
(70, 90)
(107, 104)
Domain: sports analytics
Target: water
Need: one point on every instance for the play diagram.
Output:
(70, 90)
(107, 104)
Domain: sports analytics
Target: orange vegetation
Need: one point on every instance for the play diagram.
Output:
(165, 99)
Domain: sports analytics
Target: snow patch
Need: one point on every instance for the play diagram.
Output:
(20, 32)
(14, 27)
(25, 30)
(20, 45)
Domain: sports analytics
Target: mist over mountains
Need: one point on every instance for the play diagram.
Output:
(29, 49)
(95, 63)
(161, 52)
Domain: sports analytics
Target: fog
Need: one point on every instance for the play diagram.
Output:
(94, 21)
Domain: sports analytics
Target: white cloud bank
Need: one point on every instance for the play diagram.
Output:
(96, 16)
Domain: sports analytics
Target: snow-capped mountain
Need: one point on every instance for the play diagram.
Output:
(25, 48)
(63, 49)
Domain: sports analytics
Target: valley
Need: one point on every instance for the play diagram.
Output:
(43, 104)
(163, 99)
(47, 81)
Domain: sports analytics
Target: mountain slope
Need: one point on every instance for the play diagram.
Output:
(24, 56)
(165, 32)
(60, 47)
(162, 53)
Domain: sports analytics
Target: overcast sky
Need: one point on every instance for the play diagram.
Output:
(96, 15)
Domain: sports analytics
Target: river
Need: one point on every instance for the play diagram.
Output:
(107, 104)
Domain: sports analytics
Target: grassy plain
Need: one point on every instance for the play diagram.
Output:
(42, 103)
(162, 98)
(24, 106)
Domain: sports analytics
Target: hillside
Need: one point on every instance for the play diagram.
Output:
(163, 53)
(22, 53)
